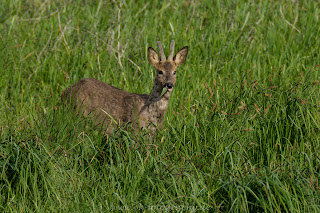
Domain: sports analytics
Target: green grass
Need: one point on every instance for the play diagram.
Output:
(242, 133)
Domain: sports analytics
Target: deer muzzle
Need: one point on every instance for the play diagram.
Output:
(169, 86)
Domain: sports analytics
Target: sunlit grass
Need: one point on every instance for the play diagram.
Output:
(242, 129)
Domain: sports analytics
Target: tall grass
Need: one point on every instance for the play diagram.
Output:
(241, 133)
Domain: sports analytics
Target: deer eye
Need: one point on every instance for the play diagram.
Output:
(174, 72)
(160, 72)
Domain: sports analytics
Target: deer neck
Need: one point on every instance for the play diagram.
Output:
(156, 105)
(155, 94)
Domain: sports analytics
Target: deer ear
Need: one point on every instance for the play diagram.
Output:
(153, 56)
(181, 56)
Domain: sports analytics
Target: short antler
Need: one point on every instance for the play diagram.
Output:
(170, 58)
(163, 57)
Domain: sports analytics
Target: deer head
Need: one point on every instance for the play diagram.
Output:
(166, 69)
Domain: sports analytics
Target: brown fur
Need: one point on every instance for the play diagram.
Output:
(111, 106)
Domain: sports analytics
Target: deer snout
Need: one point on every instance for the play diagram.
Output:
(169, 85)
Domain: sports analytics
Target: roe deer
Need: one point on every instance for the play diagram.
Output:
(112, 106)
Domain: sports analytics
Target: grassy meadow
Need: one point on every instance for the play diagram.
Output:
(242, 132)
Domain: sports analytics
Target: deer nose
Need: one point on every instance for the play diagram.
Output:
(169, 85)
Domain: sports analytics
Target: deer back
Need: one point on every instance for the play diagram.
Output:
(106, 104)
